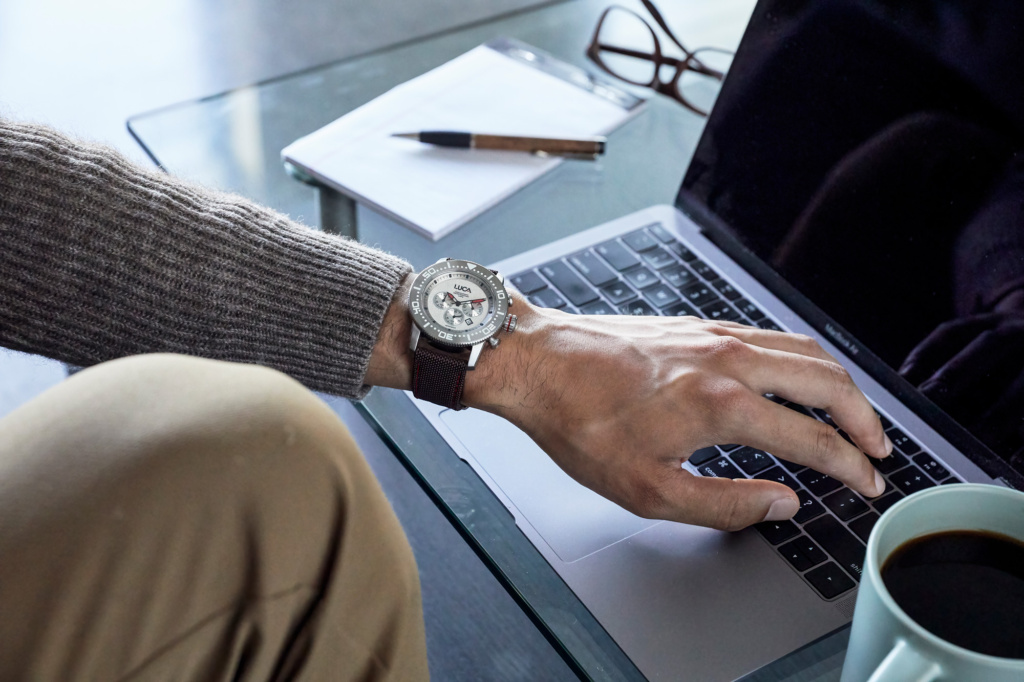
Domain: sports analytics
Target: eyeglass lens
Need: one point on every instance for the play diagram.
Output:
(629, 46)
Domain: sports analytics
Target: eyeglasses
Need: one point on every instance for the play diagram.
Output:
(691, 80)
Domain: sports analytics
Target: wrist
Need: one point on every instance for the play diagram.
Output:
(498, 384)
(391, 362)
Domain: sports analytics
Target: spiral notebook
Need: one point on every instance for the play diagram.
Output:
(503, 87)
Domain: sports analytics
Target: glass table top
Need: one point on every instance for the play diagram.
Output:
(232, 141)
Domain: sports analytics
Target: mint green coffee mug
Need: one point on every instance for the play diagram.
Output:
(887, 644)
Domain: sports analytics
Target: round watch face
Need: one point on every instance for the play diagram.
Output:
(458, 302)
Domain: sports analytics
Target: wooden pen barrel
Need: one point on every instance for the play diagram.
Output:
(543, 144)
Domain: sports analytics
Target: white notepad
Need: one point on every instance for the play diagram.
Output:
(504, 87)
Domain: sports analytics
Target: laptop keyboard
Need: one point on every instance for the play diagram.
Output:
(649, 272)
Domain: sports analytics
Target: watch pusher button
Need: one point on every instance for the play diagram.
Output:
(494, 342)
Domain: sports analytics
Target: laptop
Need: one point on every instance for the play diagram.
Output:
(835, 192)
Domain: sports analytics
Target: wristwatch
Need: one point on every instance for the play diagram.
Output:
(457, 306)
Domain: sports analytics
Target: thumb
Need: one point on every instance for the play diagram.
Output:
(729, 504)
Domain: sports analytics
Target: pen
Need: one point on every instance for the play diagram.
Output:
(590, 146)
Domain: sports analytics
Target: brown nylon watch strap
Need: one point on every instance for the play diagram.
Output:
(438, 376)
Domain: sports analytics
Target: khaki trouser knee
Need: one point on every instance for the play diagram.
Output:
(164, 517)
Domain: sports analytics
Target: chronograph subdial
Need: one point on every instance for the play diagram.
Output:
(444, 300)
(453, 316)
(473, 308)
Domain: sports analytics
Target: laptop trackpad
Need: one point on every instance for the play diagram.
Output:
(573, 520)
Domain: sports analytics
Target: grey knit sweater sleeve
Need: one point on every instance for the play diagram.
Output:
(100, 259)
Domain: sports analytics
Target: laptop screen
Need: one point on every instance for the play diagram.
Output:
(872, 153)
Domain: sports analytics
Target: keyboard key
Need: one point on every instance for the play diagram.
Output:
(952, 481)
(699, 294)
(749, 309)
(768, 324)
(528, 282)
(845, 504)
(681, 309)
(703, 269)
(839, 543)
(903, 442)
(810, 550)
(818, 483)
(659, 231)
(791, 553)
(726, 289)
(862, 525)
(810, 508)
(642, 277)
(794, 552)
(911, 479)
(593, 268)
(704, 455)
(618, 292)
(661, 295)
(678, 276)
(931, 466)
(682, 252)
(829, 581)
(720, 310)
(884, 502)
(720, 468)
(640, 240)
(776, 531)
(729, 447)
(891, 463)
(776, 474)
(750, 460)
(547, 298)
(659, 258)
(886, 424)
(791, 467)
(637, 308)
(617, 255)
(568, 283)
(598, 308)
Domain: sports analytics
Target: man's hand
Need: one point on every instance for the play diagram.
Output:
(620, 402)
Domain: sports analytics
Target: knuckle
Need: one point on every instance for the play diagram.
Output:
(840, 379)
(729, 347)
(826, 444)
(806, 342)
(725, 397)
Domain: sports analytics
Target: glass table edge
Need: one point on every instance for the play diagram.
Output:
(553, 607)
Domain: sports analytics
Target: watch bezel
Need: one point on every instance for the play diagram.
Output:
(429, 328)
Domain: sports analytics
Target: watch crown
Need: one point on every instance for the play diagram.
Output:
(510, 323)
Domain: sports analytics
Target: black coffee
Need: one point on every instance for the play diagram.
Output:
(967, 587)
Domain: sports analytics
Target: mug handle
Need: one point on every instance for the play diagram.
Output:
(905, 664)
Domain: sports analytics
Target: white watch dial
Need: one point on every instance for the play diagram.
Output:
(458, 303)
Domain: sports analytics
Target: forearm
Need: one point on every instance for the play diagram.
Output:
(102, 259)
